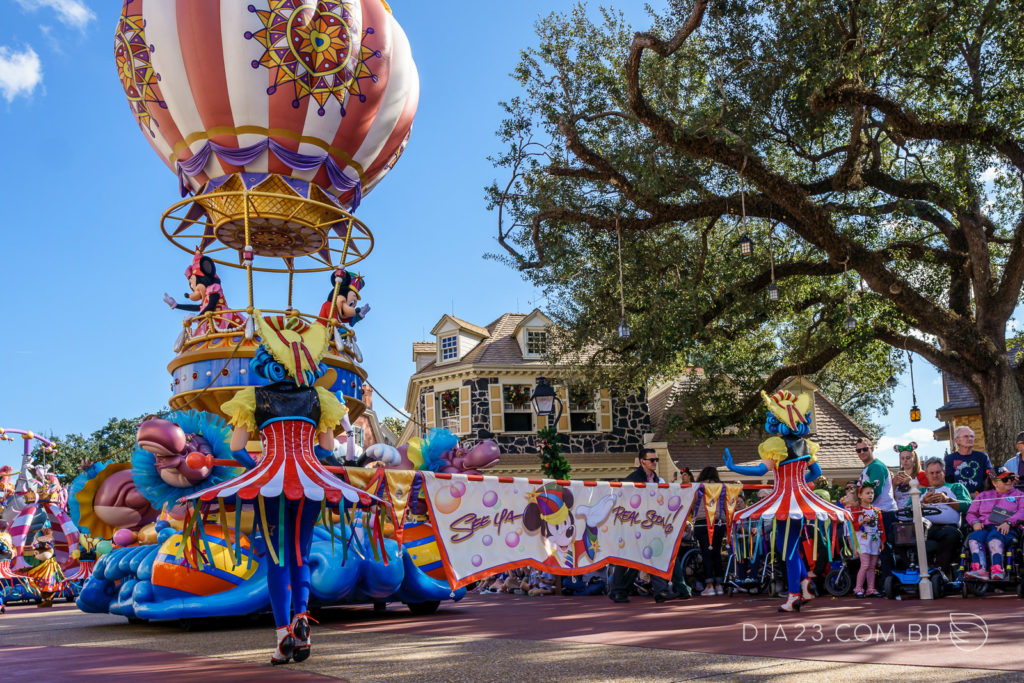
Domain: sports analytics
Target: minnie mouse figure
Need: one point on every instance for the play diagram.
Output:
(344, 310)
(206, 289)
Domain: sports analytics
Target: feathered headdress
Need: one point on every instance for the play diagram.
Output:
(791, 409)
(294, 344)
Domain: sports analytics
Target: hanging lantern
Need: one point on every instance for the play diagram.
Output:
(746, 245)
(915, 413)
(773, 292)
(623, 329)
(892, 382)
(851, 324)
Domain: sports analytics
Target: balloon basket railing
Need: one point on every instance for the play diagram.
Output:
(275, 219)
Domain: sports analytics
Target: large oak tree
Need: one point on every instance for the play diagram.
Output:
(872, 150)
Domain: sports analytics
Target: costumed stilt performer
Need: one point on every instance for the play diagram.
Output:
(288, 487)
(792, 504)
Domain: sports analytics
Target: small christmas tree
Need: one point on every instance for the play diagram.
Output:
(552, 462)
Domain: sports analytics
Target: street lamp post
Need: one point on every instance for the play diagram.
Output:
(546, 402)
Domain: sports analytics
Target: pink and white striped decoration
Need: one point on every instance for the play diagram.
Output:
(321, 78)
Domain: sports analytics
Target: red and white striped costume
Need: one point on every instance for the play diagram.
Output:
(792, 498)
(288, 466)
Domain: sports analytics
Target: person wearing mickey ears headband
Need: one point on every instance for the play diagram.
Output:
(910, 468)
(993, 516)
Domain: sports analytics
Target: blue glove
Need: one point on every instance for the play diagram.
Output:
(243, 458)
(758, 470)
(325, 456)
(813, 472)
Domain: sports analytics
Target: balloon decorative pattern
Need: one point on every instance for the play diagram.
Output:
(138, 78)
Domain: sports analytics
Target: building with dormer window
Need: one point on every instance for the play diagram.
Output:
(477, 382)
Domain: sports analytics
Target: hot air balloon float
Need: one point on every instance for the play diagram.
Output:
(278, 118)
(37, 536)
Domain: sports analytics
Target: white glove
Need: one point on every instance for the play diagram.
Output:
(593, 515)
(169, 300)
(363, 311)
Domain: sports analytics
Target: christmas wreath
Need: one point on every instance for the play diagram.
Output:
(450, 400)
(517, 394)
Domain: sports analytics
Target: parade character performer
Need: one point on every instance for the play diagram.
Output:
(47, 576)
(202, 278)
(550, 511)
(344, 295)
(288, 487)
(6, 485)
(792, 503)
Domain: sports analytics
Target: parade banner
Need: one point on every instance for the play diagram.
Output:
(485, 525)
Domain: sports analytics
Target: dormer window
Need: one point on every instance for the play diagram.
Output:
(449, 347)
(536, 342)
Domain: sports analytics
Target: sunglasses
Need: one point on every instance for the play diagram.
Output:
(651, 459)
(862, 450)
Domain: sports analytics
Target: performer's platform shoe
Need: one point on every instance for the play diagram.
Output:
(791, 605)
(301, 632)
(805, 590)
(285, 646)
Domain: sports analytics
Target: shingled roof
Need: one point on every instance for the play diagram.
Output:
(499, 347)
(834, 431)
(959, 398)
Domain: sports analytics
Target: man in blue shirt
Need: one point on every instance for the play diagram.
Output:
(965, 465)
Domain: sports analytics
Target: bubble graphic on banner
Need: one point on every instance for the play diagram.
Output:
(511, 539)
(661, 500)
(637, 534)
(674, 502)
(490, 499)
(634, 501)
(604, 529)
(458, 489)
(657, 547)
(476, 560)
(487, 539)
(445, 502)
(653, 493)
(622, 543)
(646, 552)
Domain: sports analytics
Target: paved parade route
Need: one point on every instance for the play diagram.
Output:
(518, 638)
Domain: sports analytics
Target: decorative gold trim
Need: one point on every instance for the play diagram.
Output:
(216, 131)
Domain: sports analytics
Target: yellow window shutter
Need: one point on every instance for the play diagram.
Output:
(428, 416)
(563, 422)
(604, 411)
(542, 422)
(497, 414)
(465, 410)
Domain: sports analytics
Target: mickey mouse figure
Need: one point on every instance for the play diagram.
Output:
(347, 285)
(206, 289)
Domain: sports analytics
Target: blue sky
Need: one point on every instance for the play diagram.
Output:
(86, 336)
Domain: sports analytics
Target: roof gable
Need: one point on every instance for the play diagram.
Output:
(450, 322)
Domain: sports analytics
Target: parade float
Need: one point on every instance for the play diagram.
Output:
(38, 540)
(278, 118)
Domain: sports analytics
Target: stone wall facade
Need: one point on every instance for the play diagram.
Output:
(630, 419)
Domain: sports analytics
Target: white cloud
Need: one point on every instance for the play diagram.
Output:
(927, 446)
(20, 72)
(74, 13)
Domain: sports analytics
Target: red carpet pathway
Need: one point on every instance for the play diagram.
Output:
(951, 632)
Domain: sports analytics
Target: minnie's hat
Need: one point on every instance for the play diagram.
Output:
(293, 343)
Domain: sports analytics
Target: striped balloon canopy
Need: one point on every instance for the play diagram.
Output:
(318, 92)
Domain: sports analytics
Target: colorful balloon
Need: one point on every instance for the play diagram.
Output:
(320, 92)
(511, 539)
(674, 502)
(490, 498)
(634, 501)
(476, 560)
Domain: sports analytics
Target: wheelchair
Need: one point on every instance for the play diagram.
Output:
(906, 573)
(763, 576)
(1013, 570)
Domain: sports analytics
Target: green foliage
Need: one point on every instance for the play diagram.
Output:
(552, 462)
(113, 442)
(873, 151)
(395, 424)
